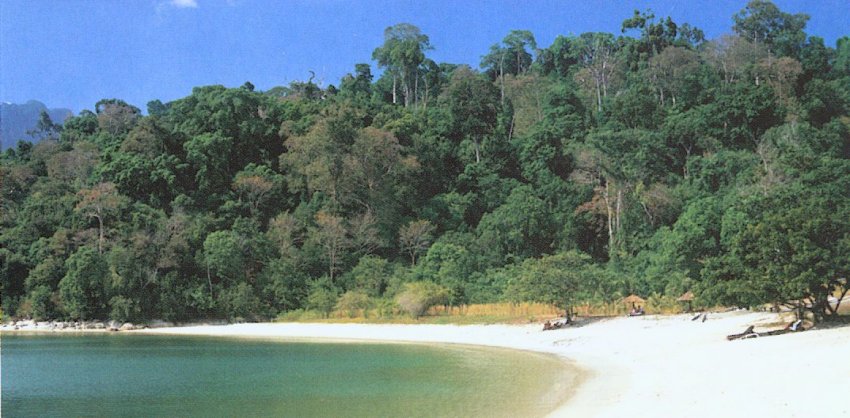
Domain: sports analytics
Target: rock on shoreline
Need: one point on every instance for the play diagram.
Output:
(31, 325)
(89, 326)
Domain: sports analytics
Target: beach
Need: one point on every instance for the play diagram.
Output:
(650, 366)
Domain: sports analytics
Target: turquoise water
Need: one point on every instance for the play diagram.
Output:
(143, 375)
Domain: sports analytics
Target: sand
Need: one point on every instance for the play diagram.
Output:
(651, 366)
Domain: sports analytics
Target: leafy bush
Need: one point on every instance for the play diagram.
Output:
(242, 302)
(122, 309)
(370, 276)
(555, 279)
(417, 297)
(385, 307)
(352, 302)
(322, 299)
(38, 304)
(82, 289)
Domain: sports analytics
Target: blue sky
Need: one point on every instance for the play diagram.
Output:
(74, 53)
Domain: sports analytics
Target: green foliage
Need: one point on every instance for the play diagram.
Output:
(518, 229)
(787, 245)
(283, 285)
(762, 21)
(241, 301)
(353, 302)
(418, 297)
(223, 255)
(370, 276)
(323, 297)
(402, 53)
(512, 56)
(449, 265)
(82, 290)
(122, 309)
(39, 304)
(473, 104)
(558, 279)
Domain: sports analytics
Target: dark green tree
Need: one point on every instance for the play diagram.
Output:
(82, 291)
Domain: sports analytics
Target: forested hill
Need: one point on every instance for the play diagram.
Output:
(651, 161)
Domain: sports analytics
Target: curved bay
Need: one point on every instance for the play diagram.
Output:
(143, 375)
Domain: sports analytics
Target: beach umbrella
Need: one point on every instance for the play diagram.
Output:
(687, 297)
(633, 299)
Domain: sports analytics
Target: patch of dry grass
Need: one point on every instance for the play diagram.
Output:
(489, 313)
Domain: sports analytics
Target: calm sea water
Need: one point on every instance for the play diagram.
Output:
(142, 375)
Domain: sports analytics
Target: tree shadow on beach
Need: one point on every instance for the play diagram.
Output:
(584, 321)
(841, 321)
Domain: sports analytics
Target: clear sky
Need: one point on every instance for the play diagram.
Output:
(74, 53)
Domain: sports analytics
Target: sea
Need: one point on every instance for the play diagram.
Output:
(111, 375)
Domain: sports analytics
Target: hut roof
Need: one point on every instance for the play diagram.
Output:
(688, 296)
(633, 299)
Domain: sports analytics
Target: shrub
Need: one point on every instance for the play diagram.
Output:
(39, 304)
(82, 289)
(322, 300)
(122, 309)
(371, 276)
(352, 302)
(242, 302)
(385, 307)
(417, 297)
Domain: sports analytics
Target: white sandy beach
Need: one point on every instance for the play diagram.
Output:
(653, 366)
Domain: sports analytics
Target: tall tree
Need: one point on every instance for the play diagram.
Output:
(415, 237)
(473, 104)
(331, 234)
(599, 64)
(99, 202)
(510, 57)
(401, 54)
(670, 69)
(762, 22)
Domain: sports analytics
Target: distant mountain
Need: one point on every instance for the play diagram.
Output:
(17, 119)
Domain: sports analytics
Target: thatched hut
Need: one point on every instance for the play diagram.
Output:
(634, 300)
(687, 297)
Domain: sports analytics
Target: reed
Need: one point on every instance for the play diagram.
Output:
(384, 311)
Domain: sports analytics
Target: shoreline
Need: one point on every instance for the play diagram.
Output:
(641, 366)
